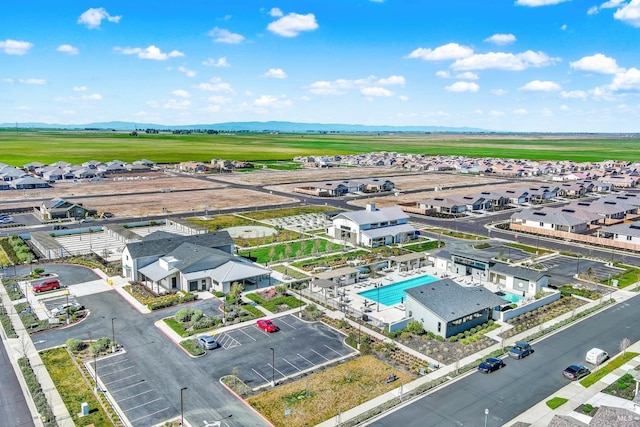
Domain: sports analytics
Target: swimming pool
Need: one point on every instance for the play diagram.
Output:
(394, 294)
(508, 296)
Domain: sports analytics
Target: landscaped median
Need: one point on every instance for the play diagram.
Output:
(603, 371)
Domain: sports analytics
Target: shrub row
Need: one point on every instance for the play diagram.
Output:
(171, 300)
(39, 398)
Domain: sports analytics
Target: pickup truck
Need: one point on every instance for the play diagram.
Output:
(520, 350)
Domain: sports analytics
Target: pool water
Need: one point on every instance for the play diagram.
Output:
(394, 294)
(508, 296)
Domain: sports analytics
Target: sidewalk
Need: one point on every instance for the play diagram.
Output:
(618, 296)
(23, 347)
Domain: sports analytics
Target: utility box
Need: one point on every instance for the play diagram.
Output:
(84, 409)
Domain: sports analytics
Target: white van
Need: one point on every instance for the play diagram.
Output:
(596, 356)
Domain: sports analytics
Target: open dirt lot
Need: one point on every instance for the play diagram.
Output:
(159, 192)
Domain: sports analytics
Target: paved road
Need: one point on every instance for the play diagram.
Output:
(522, 383)
(15, 411)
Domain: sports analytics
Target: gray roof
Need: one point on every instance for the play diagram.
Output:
(625, 229)
(164, 245)
(451, 301)
(388, 231)
(566, 421)
(549, 217)
(196, 258)
(609, 416)
(365, 216)
(517, 271)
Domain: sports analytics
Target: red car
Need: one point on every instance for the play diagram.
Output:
(266, 325)
(47, 285)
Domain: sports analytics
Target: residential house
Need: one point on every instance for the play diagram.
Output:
(373, 227)
(61, 209)
(447, 308)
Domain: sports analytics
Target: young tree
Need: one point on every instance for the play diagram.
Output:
(624, 344)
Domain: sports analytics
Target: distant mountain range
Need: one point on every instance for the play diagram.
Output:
(272, 126)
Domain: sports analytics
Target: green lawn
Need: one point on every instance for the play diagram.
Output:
(555, 402)
(49, 146)
(280, 252)
(605, 370)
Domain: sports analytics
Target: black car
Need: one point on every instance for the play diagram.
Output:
(575, 372)
(520, 350)
(490, 365)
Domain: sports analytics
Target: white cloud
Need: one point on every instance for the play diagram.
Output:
(574, 94)
(212, 62)
(38, 82)
(629, 80)
(520, 112)
(187, 72)
(15, 47)
(79, 88)
(220, 35)
(219, 99)
(403, 98)
(629, 13)
(499, 92)
(215, 85)
(375, 91)
(276, 73)
(503, 61)
(293, 24)
(564, 27)
(92, 97)
(80, 99)
(177, 104)
(151, 52)
(443, 74)
(442, 53)
(7, 80)
(540, 86)
(392, 81)
(468, 75)
(606, 5)
(276, 12)
(597, 63)
(67, 48)
(93, 17)
(270, 101)
(564, 107)
(463, 87)
(536, 3)
(181, 93)
(501, 39)
(496, 113)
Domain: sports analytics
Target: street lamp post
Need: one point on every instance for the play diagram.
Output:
(378, 298)
(486, 416)
(273, 367)
(95, 369)
(182, 406)
(113, 335)
(359, 325)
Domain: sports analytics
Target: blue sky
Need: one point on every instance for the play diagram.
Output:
(507, 65)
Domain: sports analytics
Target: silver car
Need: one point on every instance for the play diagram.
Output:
(207, 342)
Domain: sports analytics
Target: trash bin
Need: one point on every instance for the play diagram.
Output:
(365, 318)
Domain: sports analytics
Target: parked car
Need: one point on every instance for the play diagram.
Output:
(575, 372)
(60, 227)
(266, 325)
(596, 356)
(520, 350)
(47, 285)
(62, 308)
(7, 220)
(491, 364)
(207, 342)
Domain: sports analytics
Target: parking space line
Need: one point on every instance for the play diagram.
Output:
(288, 324)
(135, 395)
(115, 362)
(115, 372)
(148, 415)
(299, 370)
(319, 355)
(122, 379)
(339, 354)
(276, 369)
(228, 341)
(143, 404)
(258, 373)
(308, 361)
(129, 386)
(240, 330)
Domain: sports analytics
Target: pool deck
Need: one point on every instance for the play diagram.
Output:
(348, 295)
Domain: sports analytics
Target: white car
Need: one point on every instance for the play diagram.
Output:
(596, 356)
(62, 308)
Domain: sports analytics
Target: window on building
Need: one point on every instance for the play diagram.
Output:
(439, 327)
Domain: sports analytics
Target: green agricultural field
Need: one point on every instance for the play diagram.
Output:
(46, 146)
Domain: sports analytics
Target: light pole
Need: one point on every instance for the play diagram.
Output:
(486, 416)
(273, 367)
(95, 369)
(359, 325)
(378, 298)
(113, 335)
(182, 406)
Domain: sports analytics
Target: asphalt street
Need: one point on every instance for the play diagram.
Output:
(522, 383)
(14, 409)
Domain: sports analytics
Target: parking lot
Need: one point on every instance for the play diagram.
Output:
(138, 400)
(297, 347)
(562, 269)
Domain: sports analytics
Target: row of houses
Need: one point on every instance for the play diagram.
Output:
(344, 187)
(216, 165)
(501, 198)
(617, 173)
(61, 170)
